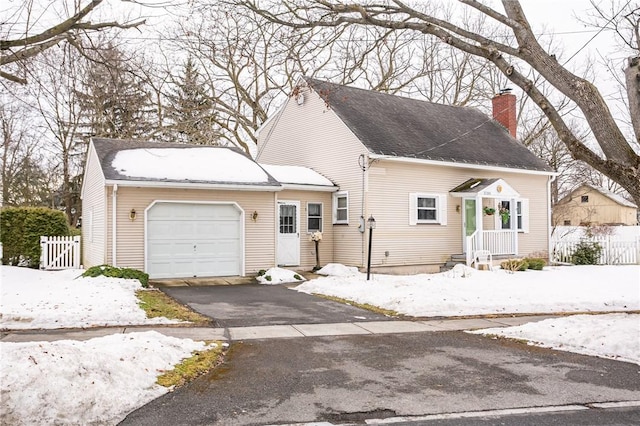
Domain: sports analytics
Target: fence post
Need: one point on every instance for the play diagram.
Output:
(43, 252)
(76, 252)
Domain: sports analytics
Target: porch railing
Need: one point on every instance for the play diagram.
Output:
(498, 242)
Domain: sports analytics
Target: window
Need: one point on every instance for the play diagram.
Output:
(584, 199)
(520, 215)
(567, 223)
(427, 208)
(341, 208)
(314, 217)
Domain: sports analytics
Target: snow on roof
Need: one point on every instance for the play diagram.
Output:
(297, 175)
(209, 164)
(613, 196)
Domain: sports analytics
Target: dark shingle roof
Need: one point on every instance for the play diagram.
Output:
(404, 127)
(107, 149)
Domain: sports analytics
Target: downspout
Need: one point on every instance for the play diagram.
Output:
(114, 196)
(549, 224)
(362, 162)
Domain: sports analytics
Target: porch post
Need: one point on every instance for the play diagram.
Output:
(514, 224)
(479, 220)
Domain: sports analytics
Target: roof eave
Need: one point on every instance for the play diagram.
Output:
(195, 185)
(305, 187)
(461, 165)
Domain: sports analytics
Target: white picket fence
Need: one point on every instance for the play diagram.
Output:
(614, 251)
(60, 252)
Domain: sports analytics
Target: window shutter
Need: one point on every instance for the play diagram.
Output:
(334, 209)
(442, 209)
(413, 208)
(525, 214)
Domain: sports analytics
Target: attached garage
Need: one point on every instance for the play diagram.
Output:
(194, 240)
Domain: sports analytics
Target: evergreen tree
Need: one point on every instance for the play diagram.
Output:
(191, 109)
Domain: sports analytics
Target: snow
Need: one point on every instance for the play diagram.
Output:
(279, 276)
(615, 336)
(98, 381)
(31, 299)
(466, 291)
(208, 164)
(296, 175)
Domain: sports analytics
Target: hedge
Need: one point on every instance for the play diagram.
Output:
(21, 229)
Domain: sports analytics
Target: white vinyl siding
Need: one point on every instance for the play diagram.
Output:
(427, 208)
(341, 208)
(94, 207)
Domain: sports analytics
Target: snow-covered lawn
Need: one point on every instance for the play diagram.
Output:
(464, 291)
(31, 299)
(98, 381)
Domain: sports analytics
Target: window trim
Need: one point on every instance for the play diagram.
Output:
(309, 230)
(440, 208)
(336, 196)
(523, 214)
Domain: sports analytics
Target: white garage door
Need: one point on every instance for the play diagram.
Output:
(194, 240)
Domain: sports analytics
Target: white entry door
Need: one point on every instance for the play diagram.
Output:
(288, 233)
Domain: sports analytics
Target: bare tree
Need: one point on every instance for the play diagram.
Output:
(514, 57)
(24, 179)
(28, 32)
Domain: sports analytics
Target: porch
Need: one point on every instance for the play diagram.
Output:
(499, 242)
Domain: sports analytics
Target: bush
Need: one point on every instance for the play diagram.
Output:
(586, 253)
(115, 272)
(513, 265)
(21, 229)
(536, 263)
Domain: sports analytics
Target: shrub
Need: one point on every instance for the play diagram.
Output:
(586, 253)
(21, 229)
(115, 272)
(261, 272)
(536, 263)
(513, 265)
(297, 277)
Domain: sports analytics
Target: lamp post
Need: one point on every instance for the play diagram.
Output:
(372, 225)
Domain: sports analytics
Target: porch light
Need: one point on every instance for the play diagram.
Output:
(132, 214)
(371, 222)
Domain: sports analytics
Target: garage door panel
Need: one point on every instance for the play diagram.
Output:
(185, 240)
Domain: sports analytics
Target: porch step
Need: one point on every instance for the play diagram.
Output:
(455, 259)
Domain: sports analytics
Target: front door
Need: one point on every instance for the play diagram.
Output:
(469, 222)
(288, 233)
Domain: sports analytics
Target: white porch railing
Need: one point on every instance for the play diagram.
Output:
(498, 242)
(60, 252)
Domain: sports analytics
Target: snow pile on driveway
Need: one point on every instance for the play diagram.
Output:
(98, 381)
(31, 299)
(468, 291)
(279, 276)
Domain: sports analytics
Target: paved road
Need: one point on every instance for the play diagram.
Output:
(354, 378)
(255, 305)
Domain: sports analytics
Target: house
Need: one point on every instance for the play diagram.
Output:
(590, 205)
(440, 181)
(175, 210)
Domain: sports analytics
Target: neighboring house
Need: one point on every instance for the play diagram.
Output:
(589, 205)
(424, 171)
(177, 210)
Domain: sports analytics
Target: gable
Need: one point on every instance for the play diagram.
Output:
(403, 127)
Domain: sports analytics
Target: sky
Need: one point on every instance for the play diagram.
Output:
(102, 379)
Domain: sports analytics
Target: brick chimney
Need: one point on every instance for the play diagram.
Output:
(504, 110)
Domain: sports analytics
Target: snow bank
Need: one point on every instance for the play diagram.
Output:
(98, 381)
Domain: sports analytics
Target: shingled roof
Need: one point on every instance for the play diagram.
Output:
(108, 149)
(403, 127)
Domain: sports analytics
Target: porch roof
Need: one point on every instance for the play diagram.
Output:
(488, 188)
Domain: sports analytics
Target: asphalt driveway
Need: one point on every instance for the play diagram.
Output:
(248, 305)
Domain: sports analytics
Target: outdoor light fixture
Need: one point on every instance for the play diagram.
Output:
(372, 225)
(254, 216)
(132, 214)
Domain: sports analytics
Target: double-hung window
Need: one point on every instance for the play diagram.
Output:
(520, 214)
(314, 217)
(427, 208)
(341, 208)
